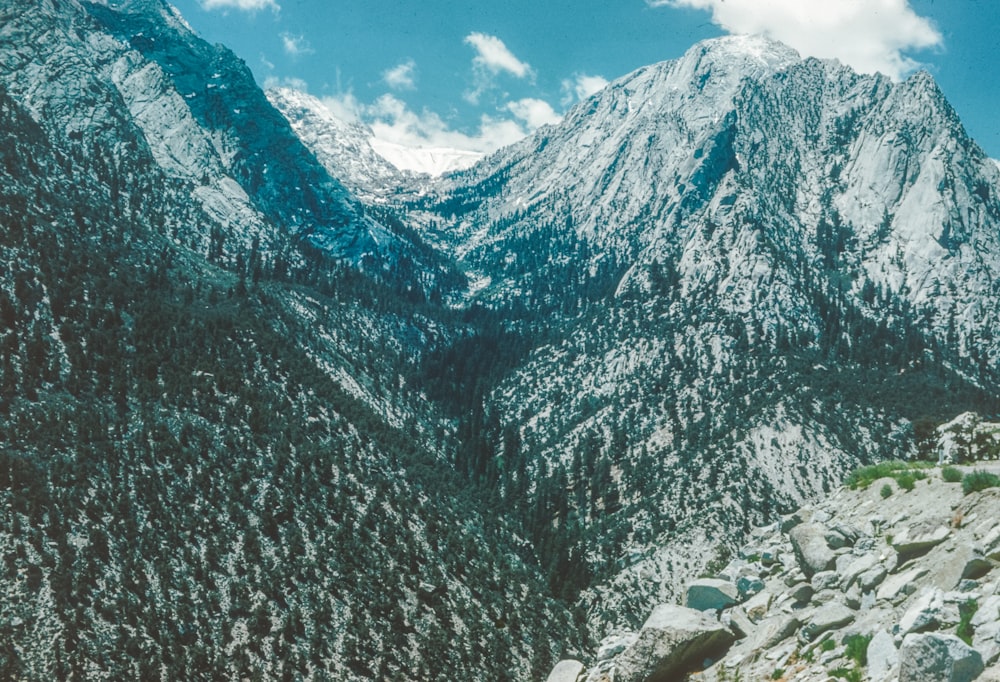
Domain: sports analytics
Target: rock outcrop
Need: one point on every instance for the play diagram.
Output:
(860, 587)
(674, 640)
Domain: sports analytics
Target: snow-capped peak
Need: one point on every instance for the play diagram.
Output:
(351, 152)
(433, 161)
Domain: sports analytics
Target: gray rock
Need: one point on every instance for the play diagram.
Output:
(976, 567)
(828, 617)
(770, 556)
(986, 626)
(674, 640)
(809, 543)
(853, 597)
(899, 586)
(883, 656)
(872, 578)
(756, 607)
(802, 593)
(739, 622)
(794, 519)
(566, 671)
(612, 645)
(749, 586)
(825, 580)
(856, 567)
(919, 538)
(711, 594)
(774, 630)
(835, 540)
(924, 613)
(938, 657)
(991, 674)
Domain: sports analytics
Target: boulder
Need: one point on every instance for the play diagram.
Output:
(899, 586)
(711, 594)
(756, 607)
(566, 671)
(801, 593)
(856, 567)
(825, 580)
(770, 556)
(986, 629)
(809, 543)
(991, 674)
(773, 630)
(938, 657)
(872, 578)
(674, 640)
(747, 586)
(919, 538)
(827, 617)
(924, 613)
(612, 645)
(883, 656)
(738, 621)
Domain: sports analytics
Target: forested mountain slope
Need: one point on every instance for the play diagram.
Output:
(253, 426)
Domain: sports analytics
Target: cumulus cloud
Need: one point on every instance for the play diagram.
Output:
(272, 82)
(869, 35)
(392, 120)
(346, 107)
(246, 5)
(402, 76)
(493, 56)
(580, 87)
(294, 45)
(534, 112)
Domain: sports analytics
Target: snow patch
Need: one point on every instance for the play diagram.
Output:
(432, 161)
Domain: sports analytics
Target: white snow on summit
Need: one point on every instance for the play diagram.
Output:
(434, 161)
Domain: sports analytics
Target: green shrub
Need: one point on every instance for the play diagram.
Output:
(828, 645)
(849, 674)
(856, 648)
(862, 477)
(906, 481)
(886, 491)
(979, 480)
(965, 613)
(951, 474)
(778, 673)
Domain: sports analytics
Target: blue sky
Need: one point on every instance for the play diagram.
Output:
(477, 75)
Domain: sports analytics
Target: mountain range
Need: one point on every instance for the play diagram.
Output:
(271, 407)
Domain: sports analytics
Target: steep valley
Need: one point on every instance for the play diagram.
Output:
(271, 409)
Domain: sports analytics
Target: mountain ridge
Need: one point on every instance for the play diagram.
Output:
(451, 428)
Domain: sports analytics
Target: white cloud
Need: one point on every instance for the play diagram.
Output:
(580, 87)
(869, 35)
(294, 45)
(246, 5)
(534, 112)
(345, 106)
(391, 120)
(272, 82)
(493, 56)
(402, 76)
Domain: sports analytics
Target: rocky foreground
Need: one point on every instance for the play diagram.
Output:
(878, 583)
